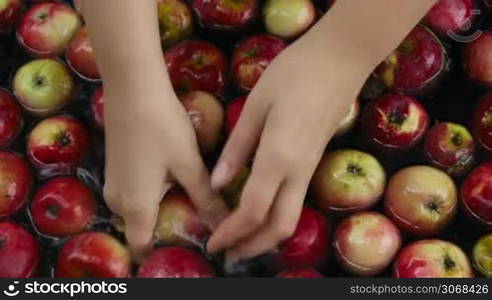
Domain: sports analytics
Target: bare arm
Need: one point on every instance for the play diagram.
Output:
(293, 125)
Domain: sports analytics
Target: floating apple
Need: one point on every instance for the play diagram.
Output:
(19, 252)
(432, 259)
(482, 124)
(477, 59)
(93, 255)
(347, 181)
(97, 107)
(300, 273)
(80, 57)
(175, 21)
(288, 19)
(16, 181)
(482, 255)
(10, 10)
(174, 262)
(43, 86)
(476, 194)
(449, 17)
(226, 15)
(421, 200)
(365, 243)
(10, 118)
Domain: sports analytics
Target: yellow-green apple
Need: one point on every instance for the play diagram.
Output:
(476, 195)
(288, 19)
(175, 21)
(16, 180)
(432, 259)
(10, 118)
(19, 252)
(58, 145)
(299, 273)
(10, 10)
(347, 181)
(46, 29)
(366, 243)
(482, 255)
(80, 56)
(175, 262)
(43, 86)
(230, 16)
(97, 106)
(350, 120)
(421, 200)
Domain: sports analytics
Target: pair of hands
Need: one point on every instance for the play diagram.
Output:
(286, 123)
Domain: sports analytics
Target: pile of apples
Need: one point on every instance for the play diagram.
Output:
(404, 189)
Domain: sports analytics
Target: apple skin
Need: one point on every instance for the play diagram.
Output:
(10, 11)
(81, 58)
(230, 16)
(47, 28)
(233, 112)
(196, 66)
(252, 56)
(308, 247)
(416, 65)
(394, 123)
(97, 107)
(482, 255)
(300, 273)
(207, 116)
(288, 19)
(348, 181)
(19, 252)
(178, 223)
(175, 21)
(450, 147)
(62, 207)
(477, 59)
(366, 243)
(476, 195)
(350, 120)
(432, 259)
(482, 124)
(175, 262)
(450, 16)
(232, 192)
(43, 86)
(421, 200)
(58, 145)
(10, 118)
(16, 181)
(93, 255)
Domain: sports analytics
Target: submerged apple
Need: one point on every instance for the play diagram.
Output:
(10, 118)
(175, 21)
(10, 10)
(448, 17)
(476, 195)
(80, 57)
(482, 124)
(19, 252)
(226, 15)
(288, 19)
(477, 59)
(482, 255)
(16, 181)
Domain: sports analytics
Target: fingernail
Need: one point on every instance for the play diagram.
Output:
(219, 175)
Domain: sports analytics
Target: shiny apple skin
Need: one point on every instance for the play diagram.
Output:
(288, 19)
(252, 56)
(477, 59)
(233, 112)
(300, 273)
(230, 16)
(11, 118)
(432, 259)
(416, 65)
(97, 107)
(9, 14)
(62, 207)
(476, 195)
(482, 255)
(175, 262)
(175, 21)
(16, 181)
(394, 123)
(451, 16)
(196, 66)
(19, 252)
(450, 147)
(80, 57)
(482, 124)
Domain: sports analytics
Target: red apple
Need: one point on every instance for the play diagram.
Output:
(347, 181)
(350, 120)
(450, 147)
(175, 21)
(476, 194)
(47, 28)
(421, 200)
(482, 255)
(394, 123)
(252, 56)
(43, 86)
(300, 273)
(63, 206)
(416, 65)
(174, 262)
(432, 259)
(477, 59)
(10, 118)
(226, 15)
(97, 107)
(19, 252)
(449, 17)
(196, 65)
(308, 247)
(93, 255)
(207, 115)
(482, 124)
(80, 57)
(366, 243)
(16, 181)
(10, 10)
(288, 19)
(178, 222)
(58, 145)
(233, 112)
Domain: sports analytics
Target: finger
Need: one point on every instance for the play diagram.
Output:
(254, 206)
(241, 143)
(285, 215)
(193, 177)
